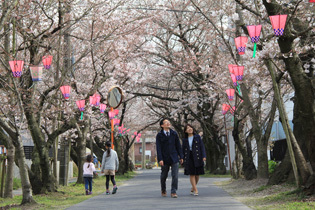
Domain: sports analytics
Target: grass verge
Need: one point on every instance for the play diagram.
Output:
(65, 197)
(257, 195)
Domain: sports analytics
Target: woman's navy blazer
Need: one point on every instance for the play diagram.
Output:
(198, 150)
(168, 148)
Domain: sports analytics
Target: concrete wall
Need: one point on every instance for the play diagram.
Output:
(29, 162)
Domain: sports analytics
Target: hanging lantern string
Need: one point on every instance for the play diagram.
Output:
(255, 46)
(81, 115)
(238, 88)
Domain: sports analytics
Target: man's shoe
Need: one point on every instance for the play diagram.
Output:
(174, 195)
(163, 194)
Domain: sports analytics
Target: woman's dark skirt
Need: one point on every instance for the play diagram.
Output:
(190, 168)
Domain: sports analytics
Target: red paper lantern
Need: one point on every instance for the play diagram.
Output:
(278, 23)
(234, 79)
(65, 91)
(225, 108)
(231, 66)
(254, 32)
(230, 93)
(312, 1)
(81, 105)
(47, 61)
(238, 71)
(36, 73)
(95, 100)
(102, 107)
(16, 67)
(240, 43)
(116, 121)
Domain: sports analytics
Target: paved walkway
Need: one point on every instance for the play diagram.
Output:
(143, 192)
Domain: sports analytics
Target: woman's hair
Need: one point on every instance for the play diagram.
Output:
(89, 159)
(185, 128)
(109, 145)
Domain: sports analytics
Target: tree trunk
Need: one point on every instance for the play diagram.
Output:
(81, 149)
(249, 168)
(26, 185)
(8, 191)
(262, 159)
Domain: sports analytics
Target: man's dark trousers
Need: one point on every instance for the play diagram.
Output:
(164, 173)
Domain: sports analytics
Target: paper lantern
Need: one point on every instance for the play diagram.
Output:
(102, 108)
(112, 114)
(254, 33)
(81, 105)
(240, 43)
(65, 91)
(47, 61)
(116, 121)
(278, 23)
(230, 93)
(97, 99)
(231, 66)
(16, 67)
(225, 108)
(239, 71)
(312, 1)
(36, 73)
(234, 79)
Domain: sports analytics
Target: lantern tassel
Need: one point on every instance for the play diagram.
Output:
(255, 46)
(81, 115)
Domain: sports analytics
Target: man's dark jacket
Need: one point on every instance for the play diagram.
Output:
(168, 148)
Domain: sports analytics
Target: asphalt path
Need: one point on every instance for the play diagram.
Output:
(144, 192)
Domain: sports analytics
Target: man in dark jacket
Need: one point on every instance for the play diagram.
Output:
(169, 153)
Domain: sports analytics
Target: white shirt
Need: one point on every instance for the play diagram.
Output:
(88, 169)
(190, 141)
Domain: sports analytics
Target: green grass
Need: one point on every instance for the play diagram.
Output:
(66, 195)
(209, 175)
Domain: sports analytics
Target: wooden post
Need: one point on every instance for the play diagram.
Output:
(285, 123)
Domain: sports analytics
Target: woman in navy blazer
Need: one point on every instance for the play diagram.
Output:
(194, 156)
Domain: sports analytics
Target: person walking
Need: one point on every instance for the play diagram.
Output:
(169, 153)
(88, 171)
(110, 165)
(194, 157)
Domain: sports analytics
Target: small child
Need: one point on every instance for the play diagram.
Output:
(88, 170)
(110, 166)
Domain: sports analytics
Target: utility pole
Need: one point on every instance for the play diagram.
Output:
(143, 153)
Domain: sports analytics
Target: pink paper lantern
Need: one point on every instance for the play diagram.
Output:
(111, 115)
(278, 23)
(239, 71)
(65, 91)
(231, 66)
(230, 93)
(312, 1)
(234, 79)
(102, 108)
(47, 61)
(97, 99)
(254, 32)
(116, 121)
(36, 73)
(225, 108)
(81, 105)
(240, 43)
(16, 67)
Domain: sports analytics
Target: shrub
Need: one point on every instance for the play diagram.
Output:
(272, 166)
